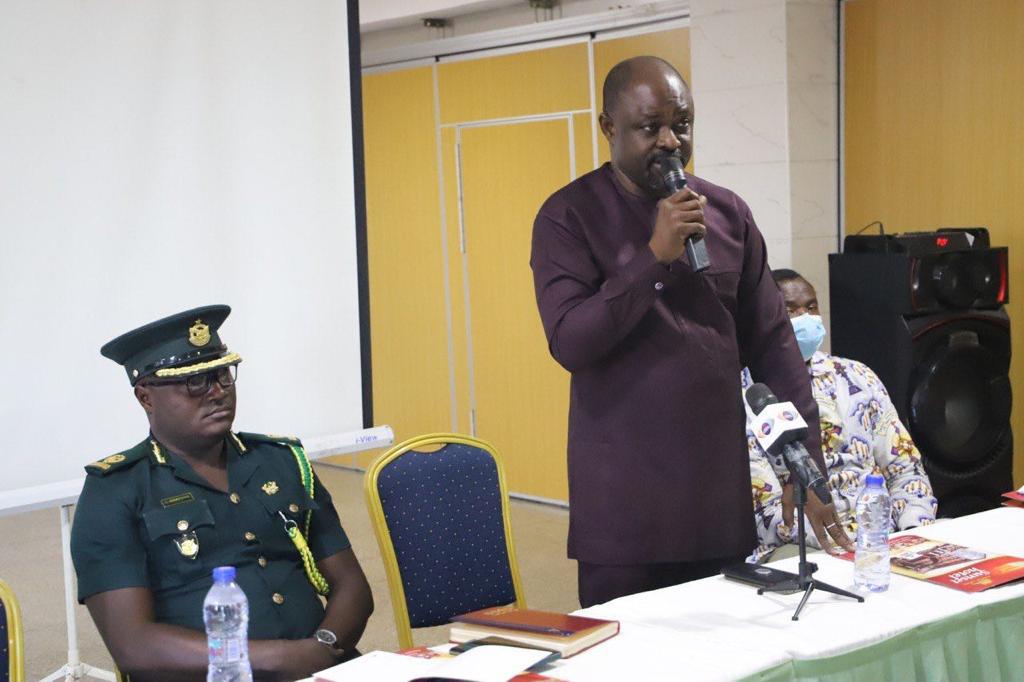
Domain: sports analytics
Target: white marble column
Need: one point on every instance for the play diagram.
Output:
(764, 85)
(812, 93)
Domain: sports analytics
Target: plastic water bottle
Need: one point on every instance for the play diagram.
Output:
(226, 614)
(873, 513)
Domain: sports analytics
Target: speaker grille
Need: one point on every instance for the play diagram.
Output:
(925, 311)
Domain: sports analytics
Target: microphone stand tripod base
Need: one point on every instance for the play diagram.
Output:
(805, 581)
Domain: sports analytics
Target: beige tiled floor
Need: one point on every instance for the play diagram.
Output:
(30, 561)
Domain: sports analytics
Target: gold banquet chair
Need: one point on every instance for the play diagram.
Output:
(12, 637)
(439, 507)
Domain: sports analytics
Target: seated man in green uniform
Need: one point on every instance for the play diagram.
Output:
(153, 521)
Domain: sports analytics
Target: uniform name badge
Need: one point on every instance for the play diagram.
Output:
(188, 544)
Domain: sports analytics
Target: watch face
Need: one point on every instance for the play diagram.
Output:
(326, 637)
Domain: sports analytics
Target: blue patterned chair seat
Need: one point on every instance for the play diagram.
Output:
(5, 649)
(12, 654)
(445, 515)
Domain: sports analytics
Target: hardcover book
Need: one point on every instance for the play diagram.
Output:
(568, 635)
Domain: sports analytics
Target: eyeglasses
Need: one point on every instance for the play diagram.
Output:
(200, 384)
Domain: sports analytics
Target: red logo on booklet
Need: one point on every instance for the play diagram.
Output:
(984, 574)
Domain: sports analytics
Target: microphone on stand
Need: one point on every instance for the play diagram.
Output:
(675, 180)
(779, 429)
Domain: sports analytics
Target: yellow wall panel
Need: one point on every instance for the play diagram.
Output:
(933, 134)
(457, 278)
(522, 395)
(407, 316)
(519, 84)
(672, 45)
(583, 144)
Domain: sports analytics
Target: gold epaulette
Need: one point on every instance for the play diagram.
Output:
(102, 467)
(268, 438)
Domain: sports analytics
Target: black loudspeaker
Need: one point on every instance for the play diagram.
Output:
(925, 312)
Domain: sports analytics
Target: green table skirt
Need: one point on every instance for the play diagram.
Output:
(983, 644)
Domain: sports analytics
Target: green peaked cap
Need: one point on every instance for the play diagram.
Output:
(181, 344)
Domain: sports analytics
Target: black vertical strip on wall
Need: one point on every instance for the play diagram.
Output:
(355, 75)
(840, 160)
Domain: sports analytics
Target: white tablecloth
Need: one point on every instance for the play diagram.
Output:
(718, 629)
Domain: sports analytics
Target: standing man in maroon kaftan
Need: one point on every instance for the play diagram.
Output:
(659, 479)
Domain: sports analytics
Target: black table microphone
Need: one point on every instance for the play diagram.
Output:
(783, 435)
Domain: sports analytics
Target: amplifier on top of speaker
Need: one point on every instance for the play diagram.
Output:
(925, 311)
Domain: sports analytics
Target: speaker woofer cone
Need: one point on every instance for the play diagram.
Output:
(960, 406)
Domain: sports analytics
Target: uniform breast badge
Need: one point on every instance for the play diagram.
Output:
(199, 334)
(270, 487)
(188, 545)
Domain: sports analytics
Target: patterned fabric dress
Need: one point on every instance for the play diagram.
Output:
(860, 434)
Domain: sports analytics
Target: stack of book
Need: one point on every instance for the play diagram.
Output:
(567, 635)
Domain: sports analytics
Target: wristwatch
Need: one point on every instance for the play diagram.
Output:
(326, 637)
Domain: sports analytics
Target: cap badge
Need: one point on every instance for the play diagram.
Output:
(199, 334)
(188, 545)
(270, 487)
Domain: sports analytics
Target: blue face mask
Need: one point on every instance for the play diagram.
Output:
(810, 332)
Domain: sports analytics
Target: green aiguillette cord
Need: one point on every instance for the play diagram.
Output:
(298, 538)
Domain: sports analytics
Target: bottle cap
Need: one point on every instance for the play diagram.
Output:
(224, 574)
(874, 480)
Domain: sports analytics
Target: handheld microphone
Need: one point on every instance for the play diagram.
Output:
(675, 180)
(779, 429)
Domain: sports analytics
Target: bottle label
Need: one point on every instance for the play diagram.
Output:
(222, 650)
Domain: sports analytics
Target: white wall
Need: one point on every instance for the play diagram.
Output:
(766, 91)
(157, 156)
(471, 18)
(381, 14)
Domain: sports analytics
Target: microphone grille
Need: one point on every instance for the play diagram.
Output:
(759, 397)
(672, 173)
(672, 164)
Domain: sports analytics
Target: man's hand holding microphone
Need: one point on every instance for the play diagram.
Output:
(679, 226)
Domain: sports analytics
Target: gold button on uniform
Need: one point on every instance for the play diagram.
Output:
(278, 598)
(250, 536)
(293, 508)
(183, 525)
(234, 498)
(262, 561)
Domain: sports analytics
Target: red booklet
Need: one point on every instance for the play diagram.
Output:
(955, 566)
(1014, 498)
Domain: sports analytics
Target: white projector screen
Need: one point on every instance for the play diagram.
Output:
(156, 156)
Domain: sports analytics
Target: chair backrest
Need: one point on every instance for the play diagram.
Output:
(439, 507)
(12, 638)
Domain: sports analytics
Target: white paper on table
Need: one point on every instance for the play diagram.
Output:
(489, 663)
(380, 666)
